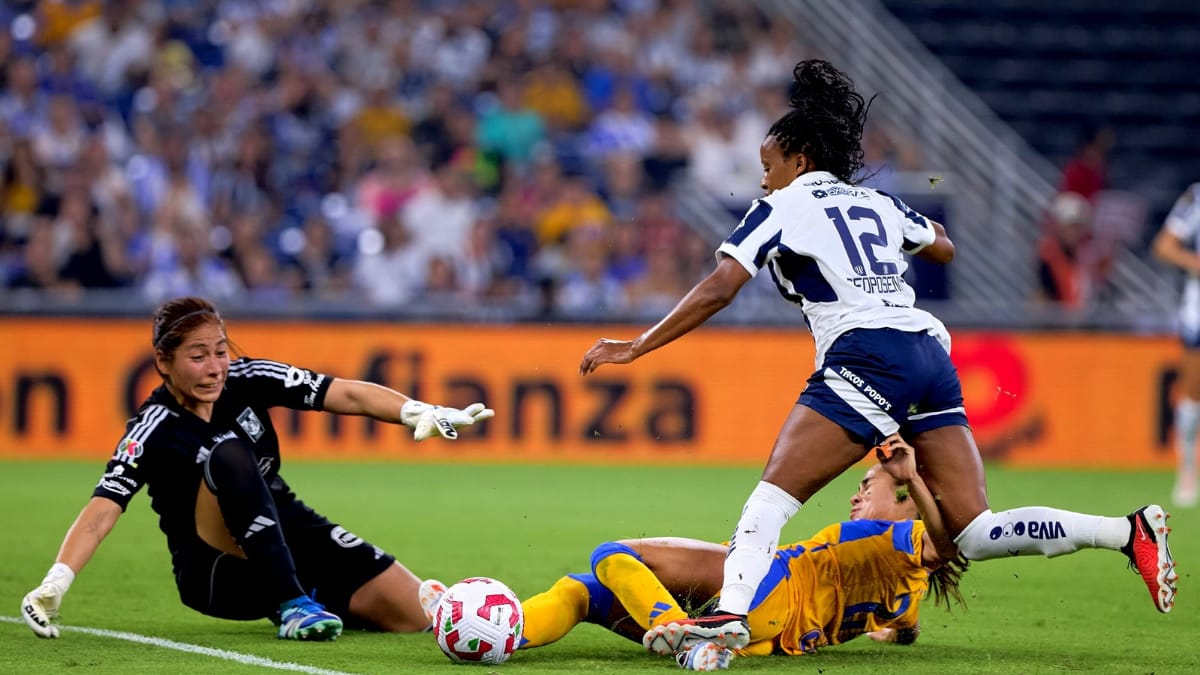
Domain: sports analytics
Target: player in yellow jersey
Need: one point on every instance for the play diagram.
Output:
(866, 575)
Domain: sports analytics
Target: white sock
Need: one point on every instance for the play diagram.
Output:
(1039, 529)
(753, 545)
(1187, 419)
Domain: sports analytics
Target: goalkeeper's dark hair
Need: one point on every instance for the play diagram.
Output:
(174, 319)
(826, 120)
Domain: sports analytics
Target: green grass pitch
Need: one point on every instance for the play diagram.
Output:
(528, 525)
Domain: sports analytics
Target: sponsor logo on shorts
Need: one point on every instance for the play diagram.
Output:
(250, 424)
(867, 390)
(344, 537)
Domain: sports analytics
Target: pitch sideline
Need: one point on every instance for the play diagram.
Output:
(247, 659)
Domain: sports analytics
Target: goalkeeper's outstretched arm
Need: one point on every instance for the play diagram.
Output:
(40, 606)
(356, 397)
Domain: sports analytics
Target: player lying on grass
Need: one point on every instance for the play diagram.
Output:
(866, 575)
(242, 545)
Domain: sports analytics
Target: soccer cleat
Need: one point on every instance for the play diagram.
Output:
(704, 657)
(429, 595)
(726, 630)
(666, 639)
(306, 619)
(1150, 555)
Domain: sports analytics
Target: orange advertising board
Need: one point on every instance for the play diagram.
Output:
(718, 395)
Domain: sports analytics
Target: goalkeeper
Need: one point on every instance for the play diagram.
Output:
(243, 546)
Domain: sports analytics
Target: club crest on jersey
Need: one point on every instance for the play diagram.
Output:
(250, 424)
(344, 537)
(128, 452)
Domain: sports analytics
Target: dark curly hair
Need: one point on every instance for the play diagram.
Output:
(826, 120)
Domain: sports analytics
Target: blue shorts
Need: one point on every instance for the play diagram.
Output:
(875, 382)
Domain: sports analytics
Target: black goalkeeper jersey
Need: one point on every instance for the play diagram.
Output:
(164, 446)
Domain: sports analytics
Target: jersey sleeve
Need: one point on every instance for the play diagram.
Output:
(916, 228)
(272, 383)
(125, 473)
(1183, 220)
(753, 239)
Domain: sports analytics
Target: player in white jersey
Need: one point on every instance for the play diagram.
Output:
(1178, 243)
(883, 367)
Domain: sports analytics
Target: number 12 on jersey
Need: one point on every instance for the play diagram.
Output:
(867, 241)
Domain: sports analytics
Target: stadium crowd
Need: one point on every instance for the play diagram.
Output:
(521, 152)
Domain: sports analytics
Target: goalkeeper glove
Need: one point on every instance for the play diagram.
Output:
(426, 419)
(40, 605)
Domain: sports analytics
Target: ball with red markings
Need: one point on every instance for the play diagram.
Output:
(478, 620)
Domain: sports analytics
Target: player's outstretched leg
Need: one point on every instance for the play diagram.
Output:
(1150, 555)
(704, 657)
(306, 619)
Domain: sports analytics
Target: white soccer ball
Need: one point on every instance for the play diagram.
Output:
(478, 620)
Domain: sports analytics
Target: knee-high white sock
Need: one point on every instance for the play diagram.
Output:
(753, 545)
(1187, 420)
(1039, 529)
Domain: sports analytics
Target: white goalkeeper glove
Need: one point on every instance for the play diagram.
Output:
(426, 419)
(40, 606)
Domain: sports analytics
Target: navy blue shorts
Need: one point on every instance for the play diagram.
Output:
(875, 382)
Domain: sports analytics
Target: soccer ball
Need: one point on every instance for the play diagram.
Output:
(478, 620)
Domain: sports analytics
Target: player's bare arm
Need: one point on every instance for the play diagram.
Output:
(941, 250)
(706, 298)
(1170, 249)
(899, 460)
(91, 526)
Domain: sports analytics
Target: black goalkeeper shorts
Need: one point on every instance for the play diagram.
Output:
(331, 563)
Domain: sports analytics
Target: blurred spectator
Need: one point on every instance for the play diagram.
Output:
(1086, 173)
(315, 264)
(621, 128)
(622, 184)
(552, 92)
(1070, 266)
(24, 180)
(58, 139)
(395, 178)
(380, 118)
(442, 212)
(22, 104)
(95, 256)
(575, 205)
(192, 268)
(245, 183)
(389, 270)
(724, 158)
(38, 267)
(587, 287)
(509, 128)
(114, 47)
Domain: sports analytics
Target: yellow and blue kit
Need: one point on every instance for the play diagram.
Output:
(851, 578)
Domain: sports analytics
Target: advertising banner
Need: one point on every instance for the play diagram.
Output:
(716, 396)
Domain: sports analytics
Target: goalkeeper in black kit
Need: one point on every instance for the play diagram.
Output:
(243, 546)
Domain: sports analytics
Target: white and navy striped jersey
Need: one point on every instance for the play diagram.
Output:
(1183, 221)
(164, 446)
(837, 250)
